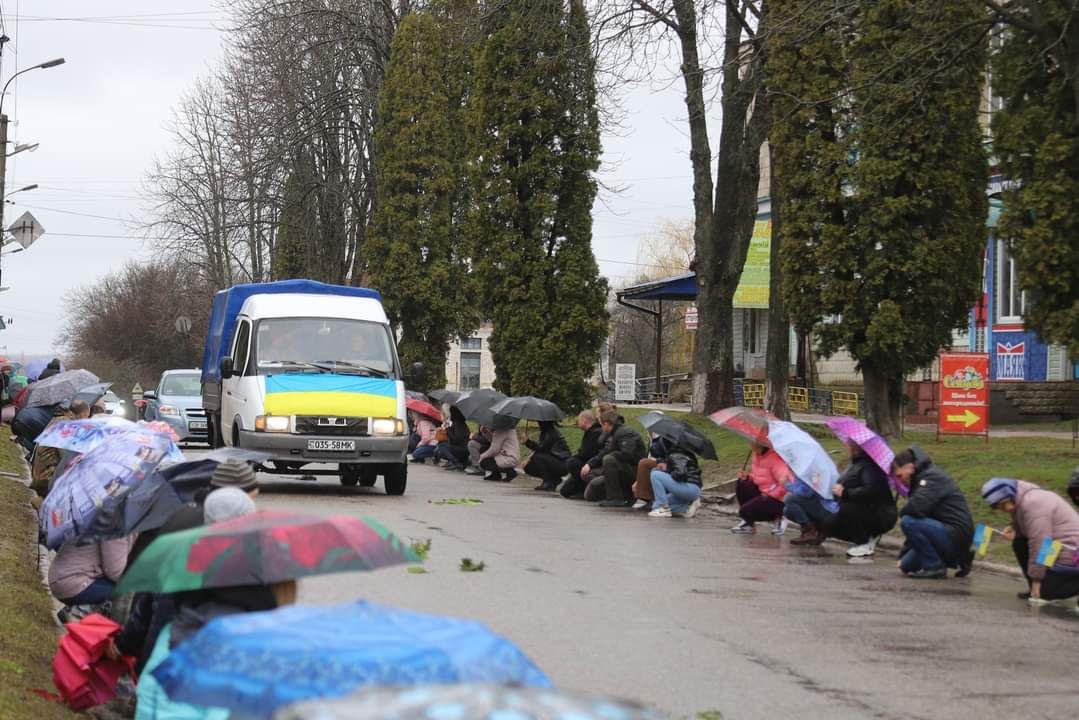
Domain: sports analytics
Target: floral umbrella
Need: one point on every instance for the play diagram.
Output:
(261, 549)
(750, 423)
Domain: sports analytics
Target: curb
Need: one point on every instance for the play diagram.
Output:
(889, 543)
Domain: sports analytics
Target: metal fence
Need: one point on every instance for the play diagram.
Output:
(805, 399)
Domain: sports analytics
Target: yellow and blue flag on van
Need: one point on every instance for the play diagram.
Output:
(330, 394)
(1049, 552)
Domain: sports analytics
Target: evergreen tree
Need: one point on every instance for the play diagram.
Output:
(535, 130)
(879, 156)
(416, 254)
(1036, 137)
(297, 228)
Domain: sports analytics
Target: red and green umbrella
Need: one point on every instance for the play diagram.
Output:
(750, 423)
(261, 549)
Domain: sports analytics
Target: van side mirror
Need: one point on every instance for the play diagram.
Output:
(227, 370)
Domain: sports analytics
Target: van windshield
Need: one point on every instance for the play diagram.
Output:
(324, 345)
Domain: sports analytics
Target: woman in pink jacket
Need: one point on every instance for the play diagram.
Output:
(761, 491)
(1038, 515)
(428, 438)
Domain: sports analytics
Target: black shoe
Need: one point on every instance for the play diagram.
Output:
(927, 574)
(615, 503)
(547, 487)
(966, 564)
(493, 477)
(509, 475)
(1023, 595)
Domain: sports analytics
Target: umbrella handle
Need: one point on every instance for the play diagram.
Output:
(748, 456)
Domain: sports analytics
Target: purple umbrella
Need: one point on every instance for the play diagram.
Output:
(849, 430)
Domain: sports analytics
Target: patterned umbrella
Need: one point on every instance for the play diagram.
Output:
(255, 663)
(107, 470)
(59, 388)
(805, 457)
(264, 548)
(478, 702)
(424, 408)
(84, 435)
(750, 423)
(849, 430)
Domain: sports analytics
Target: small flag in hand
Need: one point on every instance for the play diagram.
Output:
(1049, 552)
(982, 535)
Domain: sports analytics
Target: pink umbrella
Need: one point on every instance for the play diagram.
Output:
(849, 430)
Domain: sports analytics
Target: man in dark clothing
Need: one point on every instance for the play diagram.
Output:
(936, 519)
(575, 486)
(53, 368)
(619, 458)
(549, 456)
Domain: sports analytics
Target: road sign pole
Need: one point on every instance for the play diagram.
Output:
(3, 184)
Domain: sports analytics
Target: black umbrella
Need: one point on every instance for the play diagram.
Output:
(448, 397)
(416, 395)
(527, 407)
(476, 401)
(678, 433)
(90, 394)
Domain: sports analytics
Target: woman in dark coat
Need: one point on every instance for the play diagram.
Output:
(454, 450)
(866, 505)
(549, 456)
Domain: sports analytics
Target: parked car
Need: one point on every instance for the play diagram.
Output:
(115, 406)
(177, 400)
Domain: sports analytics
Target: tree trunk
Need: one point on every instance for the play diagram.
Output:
(776, 398)
(713, 389)
(883, 399)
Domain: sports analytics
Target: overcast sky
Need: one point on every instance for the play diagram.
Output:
(100, 120)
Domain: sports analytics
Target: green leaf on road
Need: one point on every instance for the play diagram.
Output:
(456, 501)
(468, 566)
(422, 548)
(416, 570)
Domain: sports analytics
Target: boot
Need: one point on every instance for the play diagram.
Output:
(810, 536)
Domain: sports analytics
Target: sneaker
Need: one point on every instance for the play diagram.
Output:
(474, 470)
(744, 528)
(640, 505)
(864, 550)
(927, 574)
(661, 512)
(491, 477)
(781, 527)
(509, 475)
(692, 509)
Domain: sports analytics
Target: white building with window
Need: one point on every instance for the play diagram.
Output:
(469, 364)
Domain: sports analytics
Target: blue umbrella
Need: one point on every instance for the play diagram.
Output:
(84, 435)
(107, 470)
(809, 462)
(255, 663)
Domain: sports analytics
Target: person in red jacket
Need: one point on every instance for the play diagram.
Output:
(761, 491)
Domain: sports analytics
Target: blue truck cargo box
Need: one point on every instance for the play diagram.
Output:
(228, 303)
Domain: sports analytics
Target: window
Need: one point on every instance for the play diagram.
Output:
(185, 385)
(472, 343)
(1011, 301)
(470, 371)
(752, 329)
(337, 344)
(239, 350)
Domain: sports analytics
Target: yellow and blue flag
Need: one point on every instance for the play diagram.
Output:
(1049, 552)
(982, 535)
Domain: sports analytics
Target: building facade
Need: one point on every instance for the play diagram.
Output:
(469, 364)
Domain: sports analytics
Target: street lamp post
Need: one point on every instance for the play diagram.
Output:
(3, 134)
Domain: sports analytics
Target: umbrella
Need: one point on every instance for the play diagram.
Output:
(809, 462)
(261, 549)
(89, 479)
(678, 433)
(424, 408)
(448, 397)
(84, 435)
(256, 663)
(849, 430)
(59, 388)
(750, 423)
(476, 405)
(91, 393)
(416, 394)
(476, 701)
(79, 669)
(527, 407)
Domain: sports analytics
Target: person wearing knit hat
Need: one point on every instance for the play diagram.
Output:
(227, 503)
(236, 474)
(1039, 516)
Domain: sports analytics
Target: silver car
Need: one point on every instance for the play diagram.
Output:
(178, 401)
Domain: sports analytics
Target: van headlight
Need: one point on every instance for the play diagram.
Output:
(273, 423)
(387, 426)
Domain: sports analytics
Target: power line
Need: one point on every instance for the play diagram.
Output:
(73, 212)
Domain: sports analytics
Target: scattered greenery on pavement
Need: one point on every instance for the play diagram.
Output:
(467, 565)
(28, 634)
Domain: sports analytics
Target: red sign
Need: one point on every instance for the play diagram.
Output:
(964, 394)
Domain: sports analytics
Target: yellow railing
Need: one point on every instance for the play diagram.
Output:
(753, 395)
(798, 398)
(844, 403)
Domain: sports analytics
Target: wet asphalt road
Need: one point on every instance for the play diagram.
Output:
(684, 616)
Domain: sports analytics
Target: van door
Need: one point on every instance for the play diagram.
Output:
(234, 398)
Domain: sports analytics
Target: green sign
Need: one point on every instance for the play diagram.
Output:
(752, 289)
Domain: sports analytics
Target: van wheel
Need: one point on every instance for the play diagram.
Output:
(395, 477)
(350, 475)
(235, 435)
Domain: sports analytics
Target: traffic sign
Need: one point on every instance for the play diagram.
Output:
(183, 325)
(691, 317)
(964, 394)
(26, 230)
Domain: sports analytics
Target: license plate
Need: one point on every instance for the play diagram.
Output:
(197, 425)
(332, 445)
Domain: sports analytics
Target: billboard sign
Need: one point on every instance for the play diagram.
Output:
(964, 394)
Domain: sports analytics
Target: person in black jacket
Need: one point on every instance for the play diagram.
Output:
(676, 484)
(936, 519)
(455, 449)
(53, 368)
(619, 458)
(866, 505)
(549, 456)
(574, 487)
